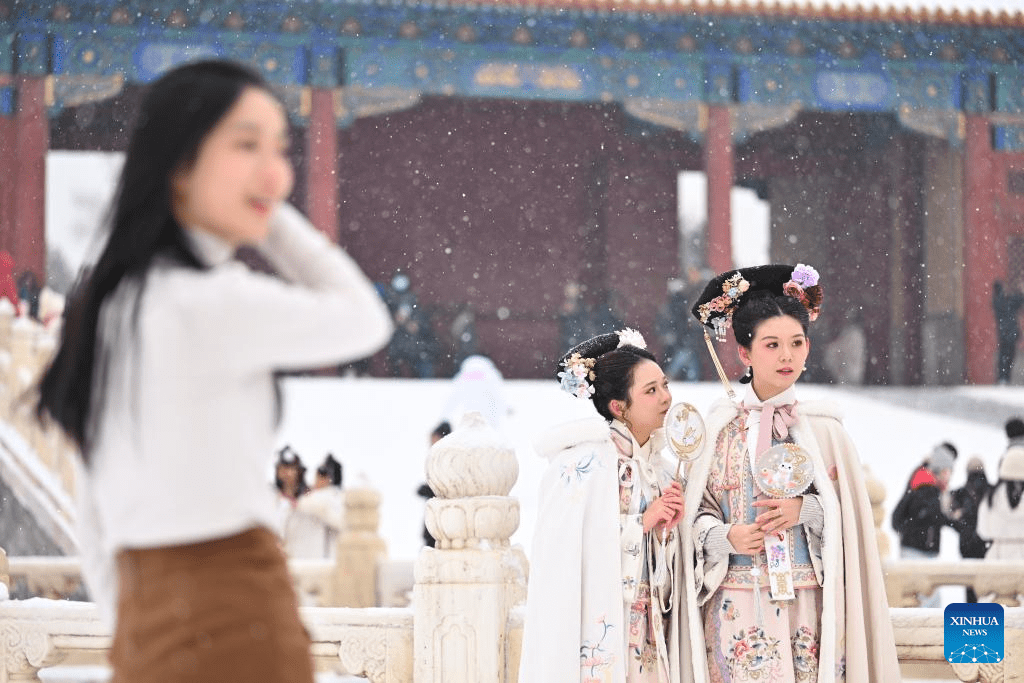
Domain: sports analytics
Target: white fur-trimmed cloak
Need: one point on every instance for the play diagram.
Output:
(575, 626)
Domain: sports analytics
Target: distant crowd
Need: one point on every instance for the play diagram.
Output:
(988, 517)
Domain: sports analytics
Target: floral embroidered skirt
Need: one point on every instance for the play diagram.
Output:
(221, 611)
(642, 662)
(782, 650)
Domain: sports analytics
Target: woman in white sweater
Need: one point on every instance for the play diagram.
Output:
(166, 369)
(1001, 513)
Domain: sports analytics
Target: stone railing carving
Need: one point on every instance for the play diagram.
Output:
(40, 633)
(993, 580)
(57, 577)
(321, 583)
(378, 643)
(468, 584)
(374, 642)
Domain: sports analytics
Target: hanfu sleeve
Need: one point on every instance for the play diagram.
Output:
(711, 562)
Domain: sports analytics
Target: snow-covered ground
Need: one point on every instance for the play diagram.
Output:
(379, 429)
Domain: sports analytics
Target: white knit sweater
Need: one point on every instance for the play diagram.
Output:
(186, 433)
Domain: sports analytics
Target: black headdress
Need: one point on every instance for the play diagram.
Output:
(575, 369)
(727, 292)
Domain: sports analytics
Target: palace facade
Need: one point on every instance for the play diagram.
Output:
(497, 151)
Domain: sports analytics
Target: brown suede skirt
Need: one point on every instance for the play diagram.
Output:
(219, 611)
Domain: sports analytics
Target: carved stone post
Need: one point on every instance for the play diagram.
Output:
(360, 548)
(876, 495)
(466, 585)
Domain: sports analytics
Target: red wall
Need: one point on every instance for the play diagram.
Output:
(498, 204)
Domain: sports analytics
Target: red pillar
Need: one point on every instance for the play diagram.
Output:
(321, 160)
(718, 165)
(32, 133)
(982, 256)
(8, 171)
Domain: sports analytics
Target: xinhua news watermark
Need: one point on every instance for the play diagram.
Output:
(973, 633)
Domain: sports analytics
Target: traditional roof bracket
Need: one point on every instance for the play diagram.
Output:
(72, 90)
(690, 117)
(750, 118)
(948, 124)
(355, 102)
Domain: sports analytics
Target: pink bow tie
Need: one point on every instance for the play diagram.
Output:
(775, 422)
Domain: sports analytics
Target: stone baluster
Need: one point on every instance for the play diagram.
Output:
(359, 550)
(876, 496)
(1005, 588)
(466, 586)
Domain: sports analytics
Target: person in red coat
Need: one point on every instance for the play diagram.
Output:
(8, 289)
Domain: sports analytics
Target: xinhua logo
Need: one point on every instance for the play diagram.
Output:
(973, 633)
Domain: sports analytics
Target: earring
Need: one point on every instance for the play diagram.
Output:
(749, 374)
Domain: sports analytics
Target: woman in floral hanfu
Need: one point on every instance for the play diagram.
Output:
(603, 600)
(786, 583)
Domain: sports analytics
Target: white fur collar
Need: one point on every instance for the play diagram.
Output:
(566, 435)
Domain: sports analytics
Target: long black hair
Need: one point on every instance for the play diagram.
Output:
(176, 114)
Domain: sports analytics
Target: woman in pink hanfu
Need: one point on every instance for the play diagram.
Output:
(786, 583)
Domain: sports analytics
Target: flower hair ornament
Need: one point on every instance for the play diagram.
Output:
(724, 305)
(803, 286)
(578, 376)
(576, 369)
